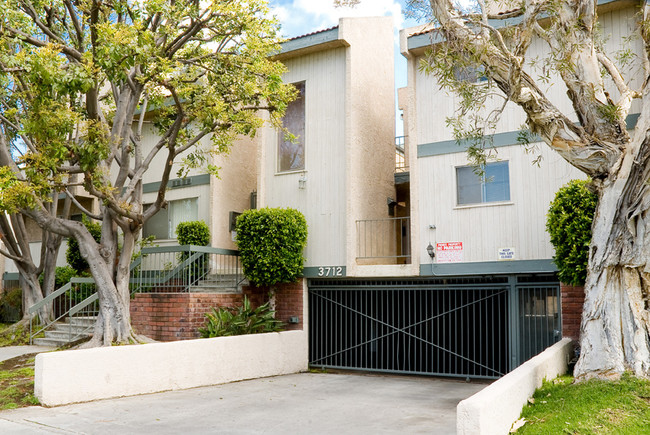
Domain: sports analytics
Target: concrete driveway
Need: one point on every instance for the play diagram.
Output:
(305, 403)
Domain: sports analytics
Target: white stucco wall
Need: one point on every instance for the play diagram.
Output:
(492, 410)
(99, 373)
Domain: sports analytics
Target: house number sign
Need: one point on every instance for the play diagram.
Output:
(330, 271)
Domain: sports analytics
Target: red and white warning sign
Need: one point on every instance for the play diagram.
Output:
(449, 252)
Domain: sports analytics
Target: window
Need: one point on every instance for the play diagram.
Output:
(470, 74)
(163, 224)
(492, 186)
(291, 155)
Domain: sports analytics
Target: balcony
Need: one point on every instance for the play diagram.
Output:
(384, 241)
(401, 165)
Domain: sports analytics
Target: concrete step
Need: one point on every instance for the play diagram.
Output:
(66, 336)
(70, 328)
(82, 320)
(62, 333)
(215, 289)
(52, 342)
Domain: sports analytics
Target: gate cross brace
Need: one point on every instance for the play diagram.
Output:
(403, 330)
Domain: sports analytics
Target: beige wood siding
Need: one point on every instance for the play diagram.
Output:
(323, 199)
(484, 228)
(434, 105)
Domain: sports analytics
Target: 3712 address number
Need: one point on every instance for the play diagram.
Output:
(330, 271)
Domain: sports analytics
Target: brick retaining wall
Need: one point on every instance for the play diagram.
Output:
(573, 298)
(176, 316)
(288, 301)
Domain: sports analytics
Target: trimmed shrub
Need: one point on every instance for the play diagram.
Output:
(569, 223)
(72, 254)
(63, 275)
(11, 305)
(193, 233)
(271, 241)
(240, 321)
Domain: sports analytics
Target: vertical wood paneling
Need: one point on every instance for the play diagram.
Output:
(323, 200)
(485, 228)
(435, 105)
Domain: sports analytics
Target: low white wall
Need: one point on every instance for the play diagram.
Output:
(493, 409)
(99, 373)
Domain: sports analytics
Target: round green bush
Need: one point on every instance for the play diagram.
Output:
(271, 241)
(193, 233)
(569, 224)
(72, 254)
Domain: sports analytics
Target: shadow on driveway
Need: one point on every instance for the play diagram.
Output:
(305, 403)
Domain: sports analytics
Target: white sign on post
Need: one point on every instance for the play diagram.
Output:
(506, 254)
(449, 252)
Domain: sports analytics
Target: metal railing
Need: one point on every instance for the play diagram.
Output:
(172, 269)
(401, 165)
(75, 302)
(479, 327)
(384, 239)
(179, 269)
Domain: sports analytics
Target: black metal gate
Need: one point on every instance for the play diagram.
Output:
(444, 327)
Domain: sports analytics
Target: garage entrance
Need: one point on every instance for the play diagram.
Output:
(479, 327)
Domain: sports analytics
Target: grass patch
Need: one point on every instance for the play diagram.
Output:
(592, 407)
(11, 335)
(17, 382)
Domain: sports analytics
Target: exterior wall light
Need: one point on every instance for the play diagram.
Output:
(431, 251)
(302, 181)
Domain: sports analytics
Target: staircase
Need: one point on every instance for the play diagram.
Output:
(62, 333)
(219, 284)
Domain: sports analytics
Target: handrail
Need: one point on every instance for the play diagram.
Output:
(188, 248)
(196, 252)
(182, 266)
(83, 304)
(49, 298)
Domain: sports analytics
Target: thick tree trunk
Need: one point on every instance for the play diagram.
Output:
(615, 331)
(114, 320)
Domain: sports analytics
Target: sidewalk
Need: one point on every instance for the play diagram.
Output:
(9, 352)
(312, 403)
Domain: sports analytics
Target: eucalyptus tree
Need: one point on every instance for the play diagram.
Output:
(79, 82)
(601, 88)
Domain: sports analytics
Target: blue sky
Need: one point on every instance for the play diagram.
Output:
(299, 17)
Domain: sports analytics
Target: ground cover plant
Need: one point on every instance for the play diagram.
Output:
(590, 407)
(13, 334)
(17, 382)
(225, 321)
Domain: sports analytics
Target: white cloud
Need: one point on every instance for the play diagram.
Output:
(280, 12)
(324, 12)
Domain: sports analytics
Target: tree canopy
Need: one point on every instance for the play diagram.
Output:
(81, 82)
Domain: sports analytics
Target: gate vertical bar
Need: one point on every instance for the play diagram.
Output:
(513, 322)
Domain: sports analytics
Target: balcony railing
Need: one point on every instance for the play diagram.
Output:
(178, 269)
(401, 165)
(384, 241)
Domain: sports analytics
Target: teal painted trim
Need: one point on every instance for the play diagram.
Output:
(631, 120)
(188, 248)
(423, 40)
(10, 276)
(324, 272)
(402, 177)
(427, 39)
(194, 180)
(310, 40)
(488, 268)
(504, 139)
(452, 146)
